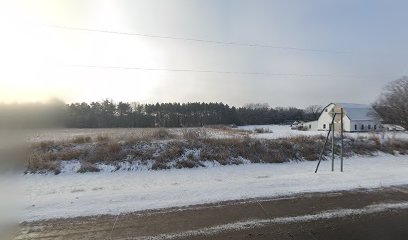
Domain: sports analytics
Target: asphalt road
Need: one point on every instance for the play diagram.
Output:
(360, 214)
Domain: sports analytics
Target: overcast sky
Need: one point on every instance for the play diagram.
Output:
(326, 51)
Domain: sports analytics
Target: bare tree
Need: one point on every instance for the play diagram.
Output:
(392, 105)
(313, 112)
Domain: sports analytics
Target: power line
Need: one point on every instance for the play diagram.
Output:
(199, 40)
(206, 71)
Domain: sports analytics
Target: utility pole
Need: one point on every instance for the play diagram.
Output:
(341, 136)
(333, 129)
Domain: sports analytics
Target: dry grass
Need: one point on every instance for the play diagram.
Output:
(194, 134)
(190, 162)
(178, 153)
(44, 145)
(41, 163)
(262, 130)
(162, 133)
(69, 154)
(143, 154)
(160, 165)
(219, 127)
(102, 138)
(82, 139)
(395, 146)
(105, 152)
(173, 150)
(234, 131)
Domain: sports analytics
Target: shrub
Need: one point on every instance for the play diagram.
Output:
(172, 150)
(41, 163)
(364, 147)
(105, 152)
(306, 148)
(143, 154)
(114, 148)
(159, 165)
(188, 163)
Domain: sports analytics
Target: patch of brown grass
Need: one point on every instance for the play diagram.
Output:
(41, 163)
(173, 150)
(69, 154)
(395, 146)
(162, 133)
(194, 134)
(81, 139)
(160, 165)
(105, 152)
(262, 130)
(143, 154)
(44, 145)
(188, 163)
(102, 138)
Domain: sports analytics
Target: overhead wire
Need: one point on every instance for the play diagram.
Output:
(242, 44)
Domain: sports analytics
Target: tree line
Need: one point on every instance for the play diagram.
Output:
(391, 105)
(107, 114)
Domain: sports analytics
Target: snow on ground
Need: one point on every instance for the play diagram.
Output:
(278, 131)
(275, 131)
(283, 131)
(70, 195)
(120, 133)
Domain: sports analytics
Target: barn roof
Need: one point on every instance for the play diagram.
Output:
(358, 112)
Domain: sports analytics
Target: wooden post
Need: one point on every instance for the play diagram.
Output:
(325, 143)
(342, 142)
(321, 153)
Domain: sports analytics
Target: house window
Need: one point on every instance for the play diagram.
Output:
(310, 126)
(375, 127)
(369, 126)
(326, 110)
(362, 126)
(355, 127)
(324, 126)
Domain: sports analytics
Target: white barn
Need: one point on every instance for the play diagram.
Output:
(357, 118)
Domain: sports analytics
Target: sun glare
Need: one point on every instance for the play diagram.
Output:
(43, 62)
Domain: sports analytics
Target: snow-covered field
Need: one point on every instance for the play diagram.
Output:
(274, 131)
(70, 195)
(278, 131)
(282, 131)
(120, 133)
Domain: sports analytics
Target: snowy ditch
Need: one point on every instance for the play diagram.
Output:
(47, 196)
(139, 155)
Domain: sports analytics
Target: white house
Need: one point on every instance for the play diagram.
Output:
(356, 118)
